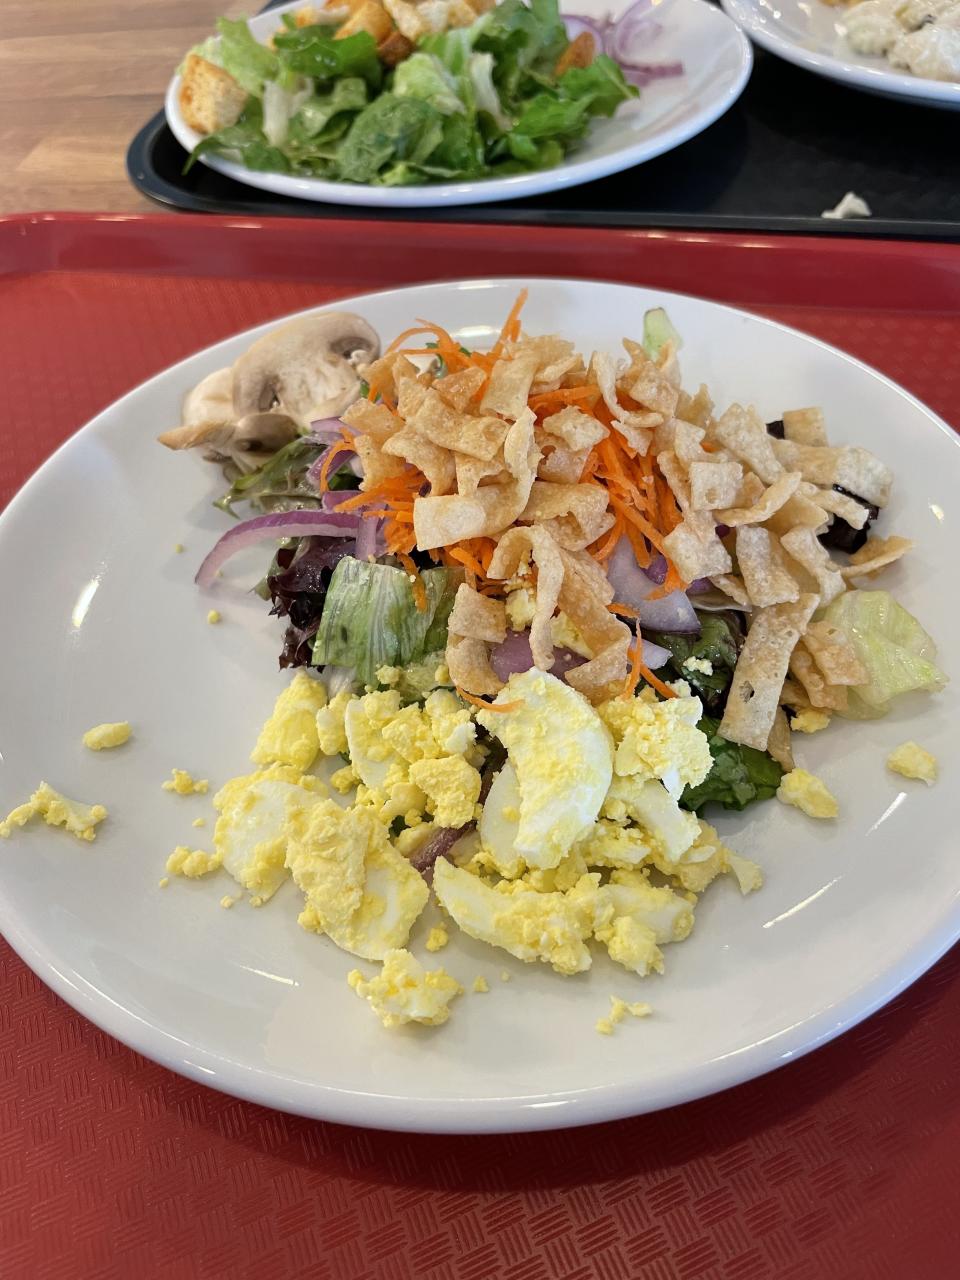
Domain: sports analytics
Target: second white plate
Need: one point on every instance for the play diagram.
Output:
(811, 35)
(717, 60)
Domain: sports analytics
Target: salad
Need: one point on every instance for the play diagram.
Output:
(406, 93)
(545, 611)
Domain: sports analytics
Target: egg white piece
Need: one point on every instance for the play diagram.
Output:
(563, 757)
(250, 834)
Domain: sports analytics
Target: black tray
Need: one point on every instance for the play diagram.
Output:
(788, 149)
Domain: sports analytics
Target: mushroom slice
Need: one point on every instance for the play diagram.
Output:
(305, 369)
(207, 411)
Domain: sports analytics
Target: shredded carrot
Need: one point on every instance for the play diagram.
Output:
(511, 326)
(342, 446)
(624, 610)
(638, 669)
(489, 706)
(467, 560)
(419, 590)
(563, 395)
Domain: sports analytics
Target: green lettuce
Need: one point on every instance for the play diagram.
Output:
(281, 483)
(895, 650)
(370, 618)
(244, 57)
(312, 51)
(481, 101)
(739, 776)
(658, 331)
(719, 642)
(389, 130)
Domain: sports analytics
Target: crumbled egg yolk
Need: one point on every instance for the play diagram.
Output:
(214, 616)
(703, 665)
(480, 985)
(163, 882)
(566, 635)
(521, 607)
(912, 761)
(389, 675)
(658, 740)
(57, 811)
(199, 822)
(185, 785)
(179, 548)
(192, 863)
(290, 736)
(618, 1011)
(582, 788)
(442, 674)
(404, 991)
(227, 902)
(809, 721)
(103, 736)
(809, 793)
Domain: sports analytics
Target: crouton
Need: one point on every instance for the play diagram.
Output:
(410, 23)
(210, 98)
(481, 6)
(369, 17)
(395, 49)
(578, 53)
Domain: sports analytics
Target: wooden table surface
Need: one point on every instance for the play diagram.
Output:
(77, 80)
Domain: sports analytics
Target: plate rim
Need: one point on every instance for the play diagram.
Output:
(746, 14)
(570, 173)
(425, 1114)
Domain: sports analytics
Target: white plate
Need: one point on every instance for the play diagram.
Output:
(812, 35)
(715, 54)
(103, 622)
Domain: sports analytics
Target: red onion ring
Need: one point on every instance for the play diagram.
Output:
(280, 524)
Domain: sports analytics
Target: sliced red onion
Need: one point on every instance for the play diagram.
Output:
(654, 656)
(346, 458)
(325, 430)
(577, 23)
(624, 31)
(698, 586)
(331, 499)
(367, 537)
(280, 524)
(641, 74)
(631, 586)
(656, 570)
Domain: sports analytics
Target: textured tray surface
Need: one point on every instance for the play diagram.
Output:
(842, 1166)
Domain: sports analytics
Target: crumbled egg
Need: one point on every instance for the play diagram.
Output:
(227, 902)
(912, 761)
(404, 991)
(359, 890)
(703, 665)
(389, 675)
(214, 616)
(563, 757)
(163, 882)
(290, 736)
(480, 985)
(809, 793)
(619, 1009)
(658, 740)
(179, 548)
(199, 822)
(184, 784)
(192, 863)
(56, 810)
(809, 720)
(581, 812)
(103, 736)
(252, 828)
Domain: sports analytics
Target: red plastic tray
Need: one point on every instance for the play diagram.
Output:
(842, 1166)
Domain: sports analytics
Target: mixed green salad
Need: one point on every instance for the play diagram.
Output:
(490, 99)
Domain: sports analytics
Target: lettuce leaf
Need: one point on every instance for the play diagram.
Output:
(249, 62)
(719, 643)
(390, 129)
(243, 142)
(424, 76)
(893, 647)
(370, 618)
(281, 483)
(740, 775)
(658, 331)
(312, 51)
